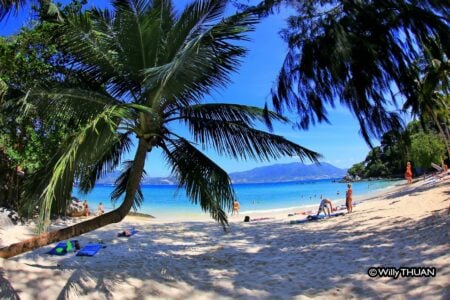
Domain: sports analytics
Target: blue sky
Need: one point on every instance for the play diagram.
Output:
(339, 143)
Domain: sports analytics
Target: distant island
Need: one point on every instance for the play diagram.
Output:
(274, 173)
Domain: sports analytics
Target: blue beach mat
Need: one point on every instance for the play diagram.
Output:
(90, 250)
(315, 218)
(62, 248)
(312, 218)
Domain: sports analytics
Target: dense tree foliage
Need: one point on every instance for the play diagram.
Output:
(29, 136)
(368, 55)
(421, 144)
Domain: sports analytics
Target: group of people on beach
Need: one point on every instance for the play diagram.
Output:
(326, 206)
(86, 211)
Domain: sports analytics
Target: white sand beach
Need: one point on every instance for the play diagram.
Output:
(407, 226)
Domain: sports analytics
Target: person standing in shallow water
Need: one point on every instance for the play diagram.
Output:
(349, 198)
(408, 173)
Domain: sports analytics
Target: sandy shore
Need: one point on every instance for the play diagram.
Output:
(406, 226)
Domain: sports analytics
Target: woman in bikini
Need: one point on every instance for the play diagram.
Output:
(349, 198)
(408, 173)
(236, 207)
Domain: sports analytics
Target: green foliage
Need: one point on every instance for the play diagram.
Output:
(356, 170)
(426, 149)
(29, 60)
(366, 55)
(419, 143)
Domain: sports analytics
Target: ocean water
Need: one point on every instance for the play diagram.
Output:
(164, 201)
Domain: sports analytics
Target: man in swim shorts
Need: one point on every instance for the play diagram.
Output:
(326, 206)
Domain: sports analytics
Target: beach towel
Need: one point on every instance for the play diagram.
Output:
(261, 219)
(308, 219)
(298, 221)
(337, 214)
(300, 213)
(127, 233)
(90, 250)
(315, 218)
(63, 248)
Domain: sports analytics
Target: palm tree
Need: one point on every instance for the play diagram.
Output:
(6, 6)
(47, 9)
(433, 91)
(156, 67)
(358, 54)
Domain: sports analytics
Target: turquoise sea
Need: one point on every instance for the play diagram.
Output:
(164, 201)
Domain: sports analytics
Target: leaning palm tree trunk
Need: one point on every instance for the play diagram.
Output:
(75, 230)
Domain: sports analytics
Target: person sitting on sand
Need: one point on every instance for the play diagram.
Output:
(86, 208)
(236, 207)
(326, 206)
(100, 209)
(349, 198)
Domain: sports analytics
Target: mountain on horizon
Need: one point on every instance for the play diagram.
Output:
(273, 173)
(288, 172)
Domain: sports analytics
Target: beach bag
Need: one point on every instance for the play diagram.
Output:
(247, 219)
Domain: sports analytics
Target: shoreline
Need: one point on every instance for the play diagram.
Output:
(165, 203)
(403, 226)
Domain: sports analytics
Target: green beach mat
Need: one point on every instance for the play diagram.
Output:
(63, 248)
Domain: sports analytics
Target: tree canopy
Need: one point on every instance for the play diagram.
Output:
(370, 56)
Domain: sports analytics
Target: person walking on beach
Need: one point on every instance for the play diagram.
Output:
(408, 173)
(326, 206)
(236, 207)
(349, 198)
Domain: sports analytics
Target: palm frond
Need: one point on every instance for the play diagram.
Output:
(3, 90)
(8, 6)
(114, 149)
(237, 140)
(82, 104)
(91, 38)
(121, 186)
(84, 147)
(204, 59)
(205, 182)
(231, 112)
(358, 53)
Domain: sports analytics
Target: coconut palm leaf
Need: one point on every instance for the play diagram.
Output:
(238, 140)
(108, 162)
(121, 186)
(208, 48)
(7, 6)
(205, 182)
(230, 112)
(88, 146)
